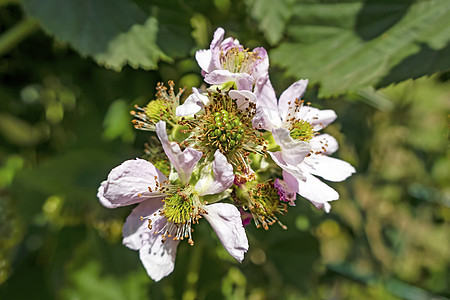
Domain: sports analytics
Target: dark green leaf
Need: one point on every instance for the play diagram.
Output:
(114, 32)
(174, 35)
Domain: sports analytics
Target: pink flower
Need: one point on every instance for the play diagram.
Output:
(227, 60)
(155, 227)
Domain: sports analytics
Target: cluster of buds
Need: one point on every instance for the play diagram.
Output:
(214, 152)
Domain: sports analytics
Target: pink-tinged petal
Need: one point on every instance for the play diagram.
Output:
(183, 161)
(223, 176)
(243, 98)
(324, 143)
(261, 119)
(217, 38)
(136, 231)
(295, 170)
(205, 60)
(229, 43)
(285, 192)
(318, 118)
(243, 81)
(159, 258)
(286, 105)
(215, 47)
(129, 183)
(246, 217)
(193, 104)
(292, 151)
(314, 190)
(267, 104)
(262, 65)
(225, 220)
(328, 168)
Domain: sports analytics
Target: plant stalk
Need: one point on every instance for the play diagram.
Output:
(16, 34)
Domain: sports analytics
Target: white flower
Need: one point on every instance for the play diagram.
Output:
(155, 227)
(303, 152)
(227, 60)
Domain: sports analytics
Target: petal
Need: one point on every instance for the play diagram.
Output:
(193, 104)
(223, 177)
(229, 43)
(261, 120)
(286, 105)
(292, 151)
(215, 47)
(318, 118)
(243, 98)
(159, 258)
(317, 192)
(129, 183)
(217, 38)
(324, 143)
(266, 103)
(136, 231)
(328, 168)
(183, 161)
(262, 65)
(225, 220)
(205, 60)
(243, 81)
(294, 170)
(285, 192)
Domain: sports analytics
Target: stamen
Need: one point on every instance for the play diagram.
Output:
(182, 209)
(162, 108)
(238, 60)
(263, 202)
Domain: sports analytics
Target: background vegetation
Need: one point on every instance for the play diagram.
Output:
(70, 71)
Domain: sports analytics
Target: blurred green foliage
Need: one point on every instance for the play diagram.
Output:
(64, 123)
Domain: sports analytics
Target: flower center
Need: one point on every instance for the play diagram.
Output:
(182, 209)
(227, 130)
(302, 130)
(162, 108)
(178, 208)
(263, 201)
(222, 125)
(238, 60)
(156, 110)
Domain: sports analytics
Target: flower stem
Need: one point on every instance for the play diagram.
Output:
(192, 276)
(16, 34)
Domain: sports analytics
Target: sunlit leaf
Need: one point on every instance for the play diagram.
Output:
(346, 46)
(271, 16)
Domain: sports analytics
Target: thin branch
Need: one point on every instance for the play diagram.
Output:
(16, 34)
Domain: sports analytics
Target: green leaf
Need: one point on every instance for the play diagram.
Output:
(114, 32)
(117, 122)
(174, 35)
(346, 46)
(271, 17)
(74, 176)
